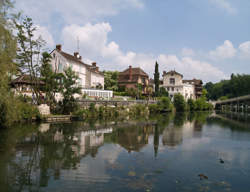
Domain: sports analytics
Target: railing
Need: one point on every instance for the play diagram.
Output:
(116, 102)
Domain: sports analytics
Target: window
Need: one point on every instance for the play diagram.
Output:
(168, 89)
(172, 81)
(172, 88)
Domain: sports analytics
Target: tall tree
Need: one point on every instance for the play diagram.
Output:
(8, 111)
(157, 79)
(52, 81)
(69, 90)
(29, 52)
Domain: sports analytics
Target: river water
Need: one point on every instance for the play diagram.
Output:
(182, 152)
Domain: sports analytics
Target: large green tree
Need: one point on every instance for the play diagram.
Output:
(29, 52)
(157, 79)
(179, 103)
(8, 111)
(69, 90)
(238, 85)
(52, 81)
(111, 80)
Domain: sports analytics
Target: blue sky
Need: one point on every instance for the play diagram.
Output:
(206, 39)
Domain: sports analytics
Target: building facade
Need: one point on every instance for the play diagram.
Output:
(174, 84)
(90, 78)
(132, 78)
(23, 84)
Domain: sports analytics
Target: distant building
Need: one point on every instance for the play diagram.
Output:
(198, 86)
(132, 77)
(22, 85)
(90, 78)
(173, 82)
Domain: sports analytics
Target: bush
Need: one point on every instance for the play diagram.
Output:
(153, 108)
(164, 104)
(191, 105)
(28, 112)
(179, 103)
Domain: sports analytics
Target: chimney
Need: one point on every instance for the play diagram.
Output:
(130, 72)
(76, 55)
(94, 64)
(80, 58)
(59, 47)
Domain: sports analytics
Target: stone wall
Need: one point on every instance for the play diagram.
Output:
(44, 109)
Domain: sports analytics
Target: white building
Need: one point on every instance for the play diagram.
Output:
(90, 78)
(173, 83)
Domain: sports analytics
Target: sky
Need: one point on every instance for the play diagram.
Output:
(204, 39)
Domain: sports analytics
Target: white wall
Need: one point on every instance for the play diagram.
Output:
(97, 79)
(166, 79)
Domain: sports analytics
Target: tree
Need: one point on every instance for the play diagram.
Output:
(179, 103)
(29, 52)
(157, 79)
(52, 81)
(164, 104)
(163, 92)
(69, 90)
(8, 111)
(111, 80)
(191, 104)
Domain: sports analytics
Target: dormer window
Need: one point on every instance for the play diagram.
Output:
(172, 81)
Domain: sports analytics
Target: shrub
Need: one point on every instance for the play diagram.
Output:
(164, 104)
(191, 105)
(179, 103)
(153, 108)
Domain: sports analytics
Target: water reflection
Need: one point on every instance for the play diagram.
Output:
(118, 155)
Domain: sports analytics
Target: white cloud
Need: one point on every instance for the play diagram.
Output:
(45, 34)
(244, 49)
(225, 5)
(187, 52)
(191, 68)
(224, 51)
(94, 44)
(75, 11)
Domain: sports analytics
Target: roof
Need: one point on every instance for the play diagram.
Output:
(172, 72)
(135, 71)
(25, 79)
(74, 59)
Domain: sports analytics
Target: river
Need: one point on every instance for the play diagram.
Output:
(182, 152)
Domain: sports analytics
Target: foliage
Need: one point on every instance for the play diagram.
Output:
(69, 89)
(138, 110)
(157, 79)
(131, 92)
(52, 80)
(163, 92)
(191, 105)
(179, 103)
(29, 52)
(111, 80)
(164, 104)
(222, 98)
(238, 85)
(153, 108)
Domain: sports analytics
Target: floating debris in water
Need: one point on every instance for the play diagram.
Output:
(202, 176)
(131, 173)
(158, 171)
(221, 161)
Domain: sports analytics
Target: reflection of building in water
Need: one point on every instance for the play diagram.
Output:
(173, 136)
(134, 138)
(89, 141)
